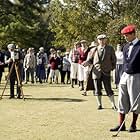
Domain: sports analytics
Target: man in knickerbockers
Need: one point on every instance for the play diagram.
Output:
(129, 87)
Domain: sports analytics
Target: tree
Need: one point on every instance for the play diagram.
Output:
(24, 24)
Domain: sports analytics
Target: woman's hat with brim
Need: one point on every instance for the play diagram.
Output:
(11, 46)
(83, 41)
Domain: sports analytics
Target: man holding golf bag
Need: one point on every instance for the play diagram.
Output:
(129, 86)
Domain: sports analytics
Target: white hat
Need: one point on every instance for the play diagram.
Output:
(102, 36)
(41, 48)
(66, 53)
(93, 44)
(83, 41)
(11, 46)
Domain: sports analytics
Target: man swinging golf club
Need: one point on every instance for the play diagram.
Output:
(129, 87)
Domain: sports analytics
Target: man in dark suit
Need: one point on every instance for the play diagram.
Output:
(12, 61)
(129, 88)
(1, 64)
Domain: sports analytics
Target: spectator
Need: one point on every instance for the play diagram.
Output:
(107, 62)
(129, 88)
(74, 58)
(66, 68)
(119, 64)
(29, 65)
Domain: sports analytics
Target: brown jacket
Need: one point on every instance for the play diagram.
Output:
(106, 65)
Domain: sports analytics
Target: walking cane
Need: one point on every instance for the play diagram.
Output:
(126, 116)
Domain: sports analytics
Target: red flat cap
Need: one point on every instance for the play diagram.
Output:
(128, 29)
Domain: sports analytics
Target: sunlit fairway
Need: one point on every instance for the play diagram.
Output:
(57, 112)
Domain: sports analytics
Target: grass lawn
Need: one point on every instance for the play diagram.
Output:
(57, 112)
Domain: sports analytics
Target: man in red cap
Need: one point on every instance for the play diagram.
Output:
(129, 87)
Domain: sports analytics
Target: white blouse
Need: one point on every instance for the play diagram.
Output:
(119, 56)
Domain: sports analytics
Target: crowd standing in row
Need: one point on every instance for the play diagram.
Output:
(82, 64)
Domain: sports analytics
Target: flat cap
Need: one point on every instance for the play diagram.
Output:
(128, 29)
(11, 46)
(102, 36)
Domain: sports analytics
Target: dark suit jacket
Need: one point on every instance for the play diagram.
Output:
(108, 63)
(131, 64)
(1, 60)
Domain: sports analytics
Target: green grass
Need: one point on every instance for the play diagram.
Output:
(57, 112)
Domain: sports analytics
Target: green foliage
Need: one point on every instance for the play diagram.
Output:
(85, 19)
(36, 23)
(24, 24)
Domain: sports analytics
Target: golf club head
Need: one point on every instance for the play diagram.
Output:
(114, 135)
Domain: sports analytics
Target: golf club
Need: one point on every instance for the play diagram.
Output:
(115, 135)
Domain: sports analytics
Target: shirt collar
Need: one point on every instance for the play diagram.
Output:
(135, 41)
(101, 46)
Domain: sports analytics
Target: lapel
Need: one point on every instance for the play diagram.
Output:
(104, 52)
(101, 53)
(125, 50)
(134, 49)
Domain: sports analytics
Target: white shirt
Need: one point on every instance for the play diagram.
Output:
(125, 76)
(131, 47)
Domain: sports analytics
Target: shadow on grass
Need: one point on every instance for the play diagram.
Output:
(105, 95)
(15, 96)
(44, 86)
(57, 99)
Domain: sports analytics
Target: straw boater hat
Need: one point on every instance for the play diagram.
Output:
(11, 46)
(66, 53)
(83, 41)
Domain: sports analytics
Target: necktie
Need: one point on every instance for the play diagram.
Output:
(130, 49)
(101, 53)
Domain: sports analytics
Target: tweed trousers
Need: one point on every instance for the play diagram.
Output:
(129, 88)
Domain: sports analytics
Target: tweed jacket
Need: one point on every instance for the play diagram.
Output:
(104, 65)
(108, 62)
(94, 62)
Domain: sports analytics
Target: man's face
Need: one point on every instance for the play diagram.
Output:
(77, 46)
(42, 50)
(102, 41)
(130, 37)
(84, 44)
(11, 49)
